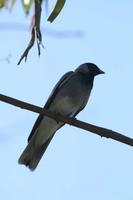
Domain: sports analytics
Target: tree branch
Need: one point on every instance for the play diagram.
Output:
(103, 132)
(35, 33)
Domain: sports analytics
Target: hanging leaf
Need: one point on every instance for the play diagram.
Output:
(27, 5)
(2, 3)
(57, 9)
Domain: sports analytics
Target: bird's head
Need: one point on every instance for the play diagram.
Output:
(89, 69)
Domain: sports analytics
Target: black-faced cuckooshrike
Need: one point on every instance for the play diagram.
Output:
(69, 97)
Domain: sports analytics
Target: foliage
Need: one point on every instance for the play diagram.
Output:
(27, 4)
(58, 7)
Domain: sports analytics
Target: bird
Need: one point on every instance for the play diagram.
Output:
(69, 96)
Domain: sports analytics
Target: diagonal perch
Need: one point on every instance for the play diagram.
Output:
(103, 132)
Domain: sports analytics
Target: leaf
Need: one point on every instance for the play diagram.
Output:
(57, 9)
(27, 5)
(2, 3)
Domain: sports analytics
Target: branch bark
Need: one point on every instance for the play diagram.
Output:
(103, 132)
(35, 33)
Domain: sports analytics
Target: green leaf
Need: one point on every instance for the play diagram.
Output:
(57, 9)
(2, 3)
(27, 5)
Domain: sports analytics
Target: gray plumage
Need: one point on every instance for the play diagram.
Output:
(69, 97)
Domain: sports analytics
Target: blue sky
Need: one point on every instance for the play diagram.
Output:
(77, 164)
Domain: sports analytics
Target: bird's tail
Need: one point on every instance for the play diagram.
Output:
(31, 155)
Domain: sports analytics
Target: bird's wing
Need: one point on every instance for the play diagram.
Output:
(38, 121)
(60, 83)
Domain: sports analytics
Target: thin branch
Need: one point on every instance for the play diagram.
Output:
(36, 33)
(31, 43)
(103, 132)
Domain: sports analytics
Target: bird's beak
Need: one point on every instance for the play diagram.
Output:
(101, 72)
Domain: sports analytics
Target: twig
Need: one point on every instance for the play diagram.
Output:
(36, 33)
(31, 43)
(103, 132)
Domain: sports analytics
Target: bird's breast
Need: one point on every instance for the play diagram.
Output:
(63, 104)
(70, 103)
